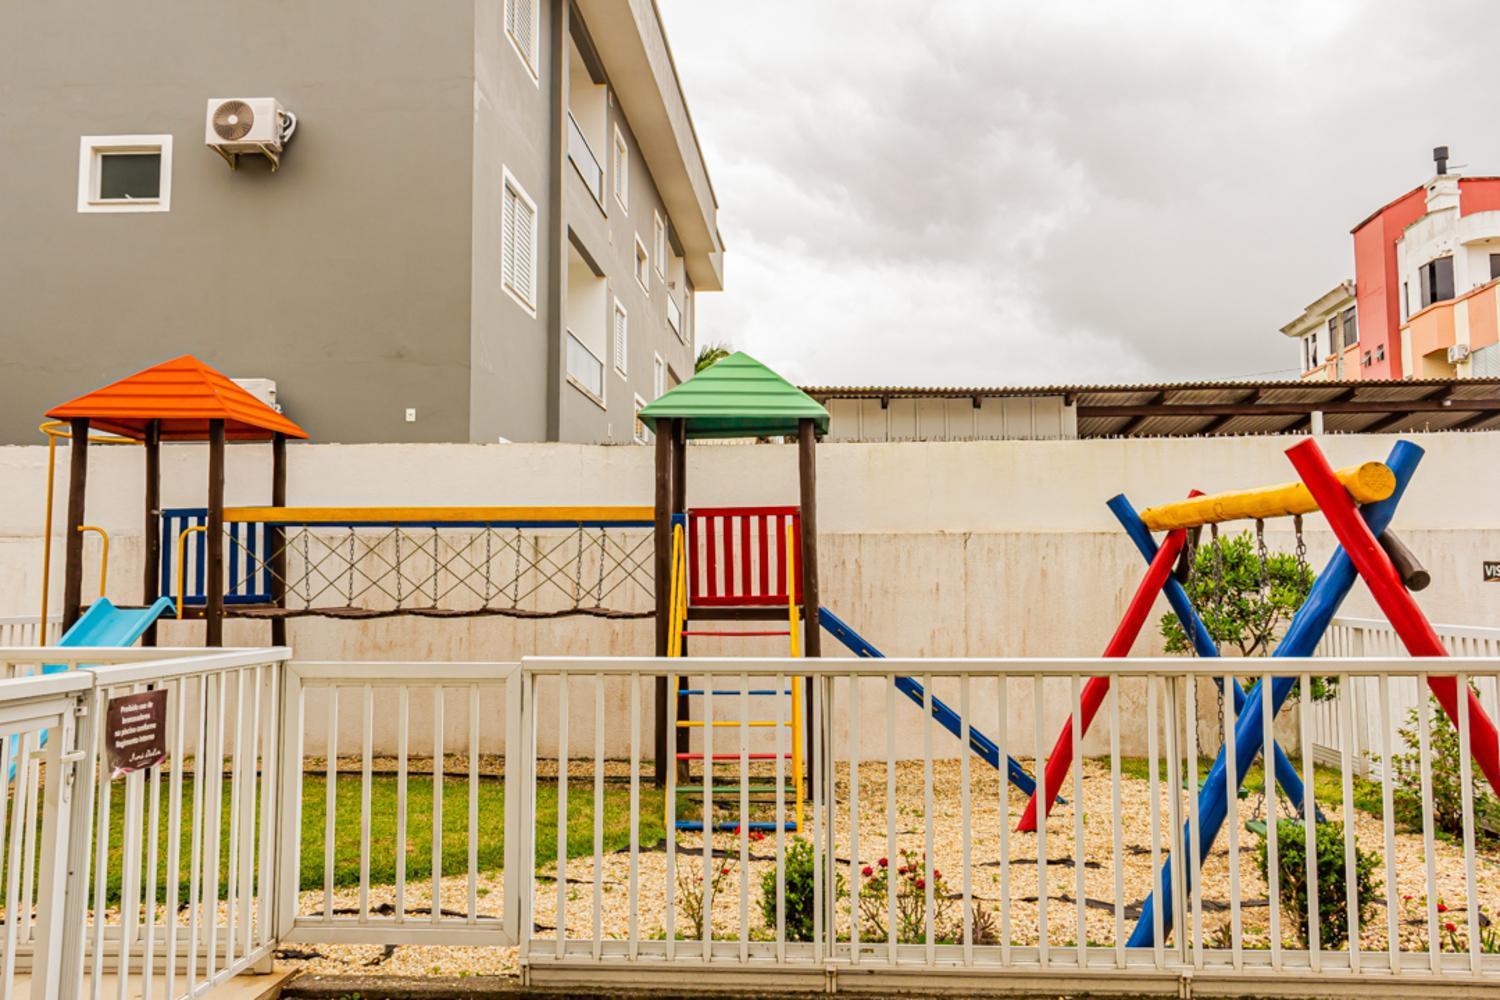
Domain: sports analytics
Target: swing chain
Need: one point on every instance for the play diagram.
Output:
(1301, 542)
(1264, 556)
(1218, 596)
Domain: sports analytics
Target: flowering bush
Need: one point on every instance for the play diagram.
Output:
(911, 880)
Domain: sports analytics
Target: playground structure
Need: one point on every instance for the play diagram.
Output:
(752, 572)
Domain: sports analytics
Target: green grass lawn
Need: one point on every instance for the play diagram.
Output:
(418, 847)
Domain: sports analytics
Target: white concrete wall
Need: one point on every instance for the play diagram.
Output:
(978, 549)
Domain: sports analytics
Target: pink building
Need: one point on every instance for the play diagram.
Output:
(1425, 297)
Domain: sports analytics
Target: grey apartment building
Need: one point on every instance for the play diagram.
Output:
(487, 219)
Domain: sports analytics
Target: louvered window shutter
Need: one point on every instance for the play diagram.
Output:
(621, 339)
(525, 251)
(508, 239)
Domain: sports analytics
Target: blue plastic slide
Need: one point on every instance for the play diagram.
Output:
(102, 624)
(945, 716)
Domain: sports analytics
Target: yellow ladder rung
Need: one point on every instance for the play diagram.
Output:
(726, 723)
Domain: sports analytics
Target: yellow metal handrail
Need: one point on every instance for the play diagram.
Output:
(55, 429)
(182, 562)
(103, 555)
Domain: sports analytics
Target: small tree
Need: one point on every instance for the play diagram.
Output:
(1447, 776)
(710, 355)
(1291, 867)
(1226, 588)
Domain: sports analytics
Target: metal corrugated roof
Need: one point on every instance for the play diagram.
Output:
(1239, 407)
(183, 394)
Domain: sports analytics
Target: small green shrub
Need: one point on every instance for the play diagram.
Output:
(1447, 778)
(801, 882)
(1291, 856)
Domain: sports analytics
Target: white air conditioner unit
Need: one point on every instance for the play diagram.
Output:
(263, 389)
(1457, 353)
(236, 125)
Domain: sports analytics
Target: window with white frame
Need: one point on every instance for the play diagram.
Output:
(584, 370)
(518, 244)
(687, 315)
(620, 170)
(658, 377)
(659, 243)
(621, 328)
(674, 316)
(642, 265)
(521, 18)
(125, 173)
(642, 432)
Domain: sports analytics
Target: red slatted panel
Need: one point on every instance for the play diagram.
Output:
(745, 560)
(731, 539)
(710, 567)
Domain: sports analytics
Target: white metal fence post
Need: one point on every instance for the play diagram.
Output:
(80, 784)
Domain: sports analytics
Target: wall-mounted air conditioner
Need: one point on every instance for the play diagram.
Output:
(263, 389)
(238, 125)
(1457, 353)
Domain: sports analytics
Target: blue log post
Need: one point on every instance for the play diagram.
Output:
(1286, 774)
(1301, 639)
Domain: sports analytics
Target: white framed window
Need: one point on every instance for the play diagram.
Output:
(518, 244)
(125, 173)
(687, 315)
(642, 265)
(659, 243)
(642, 432)
(585, 371)
(674, 316)
(658, 377)
(521, 19)
(619, 169)
(620, 329)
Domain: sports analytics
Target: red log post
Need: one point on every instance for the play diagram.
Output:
(1400, 608)
(1061, 757)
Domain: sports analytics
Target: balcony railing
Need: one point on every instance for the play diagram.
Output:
(584, 160)
(584, 368)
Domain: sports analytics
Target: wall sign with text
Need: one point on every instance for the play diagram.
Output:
(1492, 571)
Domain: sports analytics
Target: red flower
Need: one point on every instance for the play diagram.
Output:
(1442, 907)
(901, 870)
(921, 883)
(936, 873)
(883, 862)
(867, 871)
(1406, 898)
(757, 835)
(1450, 928)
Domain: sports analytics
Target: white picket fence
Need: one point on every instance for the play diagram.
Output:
(1366, 637)
(568, 855)
(26, 630)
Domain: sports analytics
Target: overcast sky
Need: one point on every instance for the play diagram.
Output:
(979, 192)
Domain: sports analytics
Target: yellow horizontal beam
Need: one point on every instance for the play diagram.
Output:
(1366, 483)
(387, 515)
(725, 723)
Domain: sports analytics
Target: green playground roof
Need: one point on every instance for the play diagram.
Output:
(738, 397)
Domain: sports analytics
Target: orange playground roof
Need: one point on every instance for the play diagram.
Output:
(184, 394)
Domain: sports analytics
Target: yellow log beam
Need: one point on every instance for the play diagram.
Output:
(388, 515)
(1366, 483)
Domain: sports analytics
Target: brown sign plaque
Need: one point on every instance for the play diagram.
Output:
(135, 731)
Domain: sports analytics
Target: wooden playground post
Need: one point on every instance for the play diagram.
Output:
(213, 605)
(78, 471)
(150, 580)
(665, 434)
(679, 506)
(807, 486)
(275, 538)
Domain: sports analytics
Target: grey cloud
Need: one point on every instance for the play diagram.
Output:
(993, 192)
